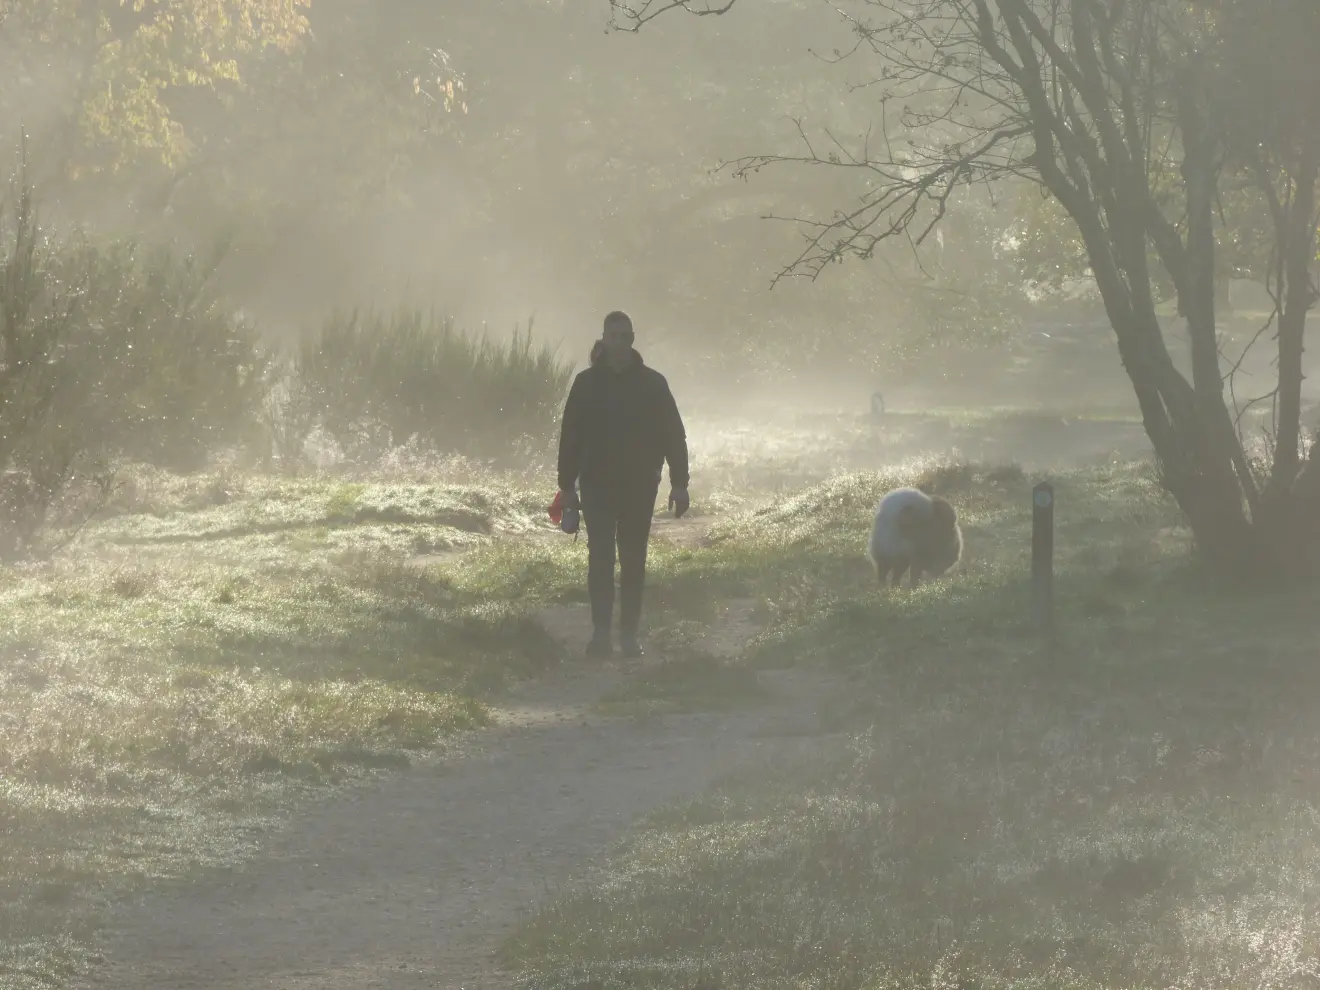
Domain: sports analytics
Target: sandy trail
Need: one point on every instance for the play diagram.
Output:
(412, 880)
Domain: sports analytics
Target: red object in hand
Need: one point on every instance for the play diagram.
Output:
(556, 509)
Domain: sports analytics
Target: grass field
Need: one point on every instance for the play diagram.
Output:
(218, 650)
(1139, 811)
(213, 654)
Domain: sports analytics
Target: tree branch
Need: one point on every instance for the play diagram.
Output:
(890, 211)
(635, 15)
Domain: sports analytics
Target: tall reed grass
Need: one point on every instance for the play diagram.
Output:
(386, 378)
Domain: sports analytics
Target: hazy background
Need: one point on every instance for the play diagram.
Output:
(570, 173)
(234, 582)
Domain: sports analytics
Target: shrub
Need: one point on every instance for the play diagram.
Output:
(176, 374)
(385, 380)
(105, 355)
(288, 415)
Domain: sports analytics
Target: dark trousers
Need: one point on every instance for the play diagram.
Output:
(625, 523)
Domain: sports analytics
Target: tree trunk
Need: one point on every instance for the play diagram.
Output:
(1296, 298)
(1198, 467)
(1292, 521)
(1188, 423)
(1201, 459)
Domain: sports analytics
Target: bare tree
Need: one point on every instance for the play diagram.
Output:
(1128, 112)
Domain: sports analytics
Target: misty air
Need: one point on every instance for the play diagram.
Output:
(659, 494)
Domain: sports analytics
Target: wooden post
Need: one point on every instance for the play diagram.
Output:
(1042, 560)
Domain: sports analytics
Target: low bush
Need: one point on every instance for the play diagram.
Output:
(108, 353)
(378, 381)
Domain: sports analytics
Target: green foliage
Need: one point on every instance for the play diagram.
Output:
(379, 380)
(174, 373)
(1048, 251)
(105, 354)
(965, 292)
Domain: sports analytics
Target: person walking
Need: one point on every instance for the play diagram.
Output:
(620, 426)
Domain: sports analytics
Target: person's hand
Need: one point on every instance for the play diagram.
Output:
(569, 498)
(572, 519)
(678, 501)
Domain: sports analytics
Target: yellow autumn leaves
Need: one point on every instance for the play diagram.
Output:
(128, 55)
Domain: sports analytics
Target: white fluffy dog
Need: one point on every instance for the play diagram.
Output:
(914, 531)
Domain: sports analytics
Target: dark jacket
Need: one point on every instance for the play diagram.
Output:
(619, 429)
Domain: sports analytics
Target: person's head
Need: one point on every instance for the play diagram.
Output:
(617, 339)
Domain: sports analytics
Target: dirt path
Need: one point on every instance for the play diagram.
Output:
(412, 881)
